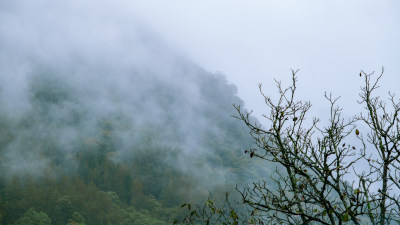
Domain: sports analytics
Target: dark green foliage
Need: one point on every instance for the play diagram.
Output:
(61, 197)
(78, 164)
(76, 218)
(31, 217)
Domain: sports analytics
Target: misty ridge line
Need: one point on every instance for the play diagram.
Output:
(92, 99)
(68, 88)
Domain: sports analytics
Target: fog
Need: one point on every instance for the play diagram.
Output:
(256, 41)
(149, 63)
(74, 75)
(122, 110)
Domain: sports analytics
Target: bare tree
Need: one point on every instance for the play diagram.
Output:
(383, 136)
(314, 164)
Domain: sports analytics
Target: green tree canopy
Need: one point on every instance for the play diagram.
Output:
(31, 217)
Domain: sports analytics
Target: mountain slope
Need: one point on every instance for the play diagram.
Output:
(114, 129)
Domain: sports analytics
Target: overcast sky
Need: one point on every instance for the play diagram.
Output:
(254, 41)
(250, 41)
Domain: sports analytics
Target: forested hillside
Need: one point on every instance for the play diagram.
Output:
(84, 140)
(102, 123)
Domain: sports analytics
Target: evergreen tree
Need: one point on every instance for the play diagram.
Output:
(76, 219)
(31, 217)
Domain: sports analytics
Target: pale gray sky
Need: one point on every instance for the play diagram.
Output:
(258, 40)
(250, 41)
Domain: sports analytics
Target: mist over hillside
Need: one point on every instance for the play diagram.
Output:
(59, 81)
(97, 103)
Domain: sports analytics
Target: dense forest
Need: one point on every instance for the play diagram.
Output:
(102, 123)
(128, 149)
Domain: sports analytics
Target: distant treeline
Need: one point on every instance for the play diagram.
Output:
(64, 161)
